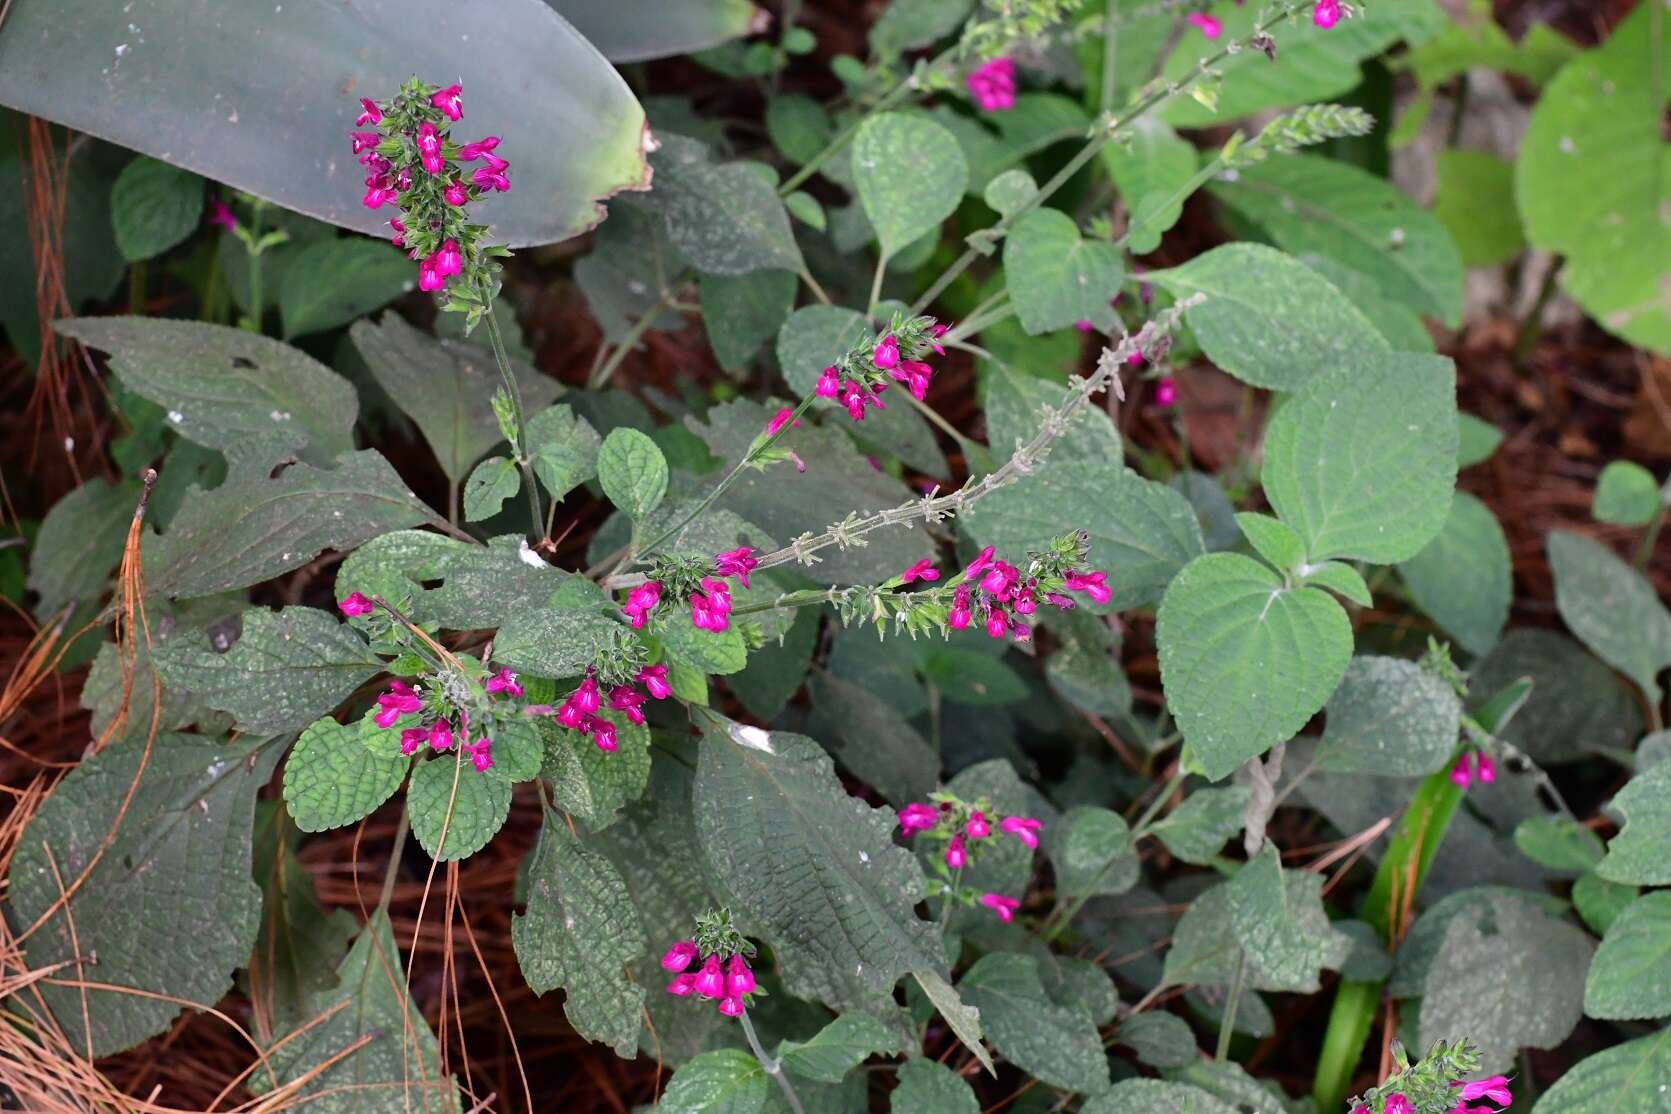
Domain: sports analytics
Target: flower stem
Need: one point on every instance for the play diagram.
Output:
(639, 328)
(1227, 1027)
(536, 519)
(393, 868)
(772, 1066)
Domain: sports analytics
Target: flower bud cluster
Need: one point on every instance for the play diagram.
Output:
(961, 831)
(1438, 1084)
(858, 378)
(581, 711)
(720, 955)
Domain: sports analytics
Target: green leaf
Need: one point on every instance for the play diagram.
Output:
(742, 312)
(332, 779)
(912, 24)
(1195, 831)
(1637, 854)
(874, 741)
(1278, 919)
(971, 677)
(554, 641)
(725, 1081)
(910, 174)
(1155, 1096)
(491, 482)
(579, 932)
(1463, 578)
(1009, 191)
(80, 545)
(1361, 462)
(225, 387)
(1268, 319)
(154, 206)
(1273, 540)
(1150, 164)
(1316, 207)
(815, 871)
(1477, 439)
(1590, 179)
(398, 1067)
(1245, 661)
(1628, 1078)
(719, 652)
(1577, 705)
(725, 218)
(1341, 579)
(1509, 976)
(838, 1047)
(1626, 494)
(455, 810)
(1474, 200)
(1599, 902)
(395, 565)
(1611, 608)
(805, 208)
(285, 670)
(596, 784)
(632, 471)
(1057, 1044)
(638, 30)
(927, 1087)
(1390, 717)
(799, 126)
(1630, 976)
(446, 386)
(1056, 278)
(564, 449)
(963, 1019)
(1558, 843)
(1091, 850)
(299, 947)
(1160, 1039)
(333, 281)
(168, 907)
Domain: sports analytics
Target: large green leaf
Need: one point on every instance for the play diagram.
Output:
(1195, 831)
(1056, 278)
(638, 30)
(170, 906)
(815, 870)
(927, 1087)
(287, 96)
(1246, 660)
(725, 1081)
(1628, 1078)
(743, 312)
(1577, 705)
(1150, 163)
(1474, 199)
(154, 206)
(300, 945)
(224, 387)
(910, 175)
(1630, 976)
(332, 778)
(1313, 206)
(80, 544)
(1278, 918)
(1390, 717)
(1269, 319)
(335, 280)
(1362, 461)
(1057, 1044)
(1637, 854)
(873, 741)
(838, 1047)
(632, 472)
(1463, 578)
(1592, 178)
(1612, 608)
(725, 218)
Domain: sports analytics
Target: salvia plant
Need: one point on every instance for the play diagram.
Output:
(949, 591)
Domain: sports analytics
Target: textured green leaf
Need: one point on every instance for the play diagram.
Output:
(80, 544)
(873, 741)
(814, 869)
(1273, 540)
(1414, 959)
(1009, 191)
(1311, 206)
(595, 784)
(1628, 1078)
(1056, 278)
(771, 678)
(1591, 179)
(1155, 1096)
(1196, 830)
(1510, 977)
(927, 1087)
(1474, 200)
(564, 448)
(798, 125)
(1204, 949)
(1362, 461)
(579, 932)
(1611, 608)
(451, 821)
(1477, 440)
(395, 565)
(1150, 164)
(1229, 1082)
(169, 907)
(1637, 854)
(154, 206)
(1577, 705)
(332, 779)
(1269, 319)
(398, 1068)
(1558, 843)
(1630, 976)
(1599, 902)
(1057, 1044)
(1341, 579)
(622, 279)
(838, 1047)
(725, 1081)
(333, 281)
(1278, 919)
(911, 24)
(1079, 984)
(971, 677)
(1245, 661)
(224, 387)
(446, 386)
(1390, 717)
(910, 175)
(285, 670)
(299, 947)
(1463, 578)
(1627, 494)
(1091, 850)
(491, 482)
(633, 472)
(725, 218)
(742, 312)
(962, 1018)
(1160, 1039)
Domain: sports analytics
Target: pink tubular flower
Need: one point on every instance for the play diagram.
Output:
(399, 229)
(1093, 584)
(1484, 768)
(378, 194)
(916, 376)
(981, 561)
(1082, 325)
(1166, 391)
(886, 353)
(355, 603)
(398, 701)
(958, 617)
(1004, 907)
(428, 277)
(1495, 1088)
(739, 980)
(679, 956)
(1326, 14)
(730, 1007)
(470, 152)
(364, 140)
(829, 383)
(504, 681)
(449, 261)
(1024, 828)
(682, 986)
(641, 601)
(570, 716)
(779, 420)
(481, 755)
(1025, 604)
(492, 176)
(992, 85)
(448, 101)
(704, 615)
(456, 193)
(440, 735)
(586, 696)
(737, 562)
(411, 739)
(917, 817)
(1398, 1104)
(221, 216)
(1360, 1109)
(957, 857)
(654, 680)
(922, 570)
(939, 330)
(997, 623)
(428, 139)
(628, 700)
(1206, 24)
(977, 827)
(603, 734)
(710, 981)
(369, 113)
(1461, 775)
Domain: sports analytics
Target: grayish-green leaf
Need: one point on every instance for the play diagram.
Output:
(553, 641)
(1150, 162)
(963, 1019)
(1195, 831)
(1474, 199)
(1160, 1039)
(1599, 902)
(1628, 1078)
(491, 482)
(1390, 717)
(1559, 843)
(638, 30)
(1611, 608)
(1637, 854)
(910, 174)
(1630, 976)
(1578, 706)
(798, 125)
(1009, 191)
(1278, 918)
(1155, 1096)
(838, 1047)
(455, 809)
(1627, 494)
(80, 544)
(874, 741)
(1091, 851)
(1463, 578)
(1476, 440)
(742, 312)
(595, 784)
(564, 449)
(154, 206)
(335, 280)
(725, 1081)
(332, 779)
(1056, 278)
(927, 1087)
(725, 218)
(632, 471)
(1057, 1044)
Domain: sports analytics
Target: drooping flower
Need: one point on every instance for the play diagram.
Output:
(440, 735)
(629, 701)
(710, 981)
(922, 570)
(1093, 584)
(958, 617)
(369, 113)
(737, 562)
(364, 140)
(398, 701)
(1495, 1088)
(682, 986)
(739, 980)
(379, 193)
(781, 419)
(603, 733)
(1398, 1104)
(641, 601)
(429, 147)
(1082, 325)
(705, 614)
(997, 623)
(992, 85)
(1484, 768)
(448, 101)
(957, 856)
(428, 277)
(730, 1007)
(1471, 766)
(355, 603)
(470, 152)
(981, 561)
(1024, 602)
(449, 261)
(829, 383)
(1208, 25)
(1024, 828)
(1326, 13)
(654, 680)
(917, 817)
(886, 353)
(916, 376)
(679, 956)
(1004, 907)
(221, 215)
(481, 754)
(456, 193)
(504, 681)
(586, 696)
(399, 229)
(939, 329)
(491, 178)
(411, 739)
(1166, 392)
(978, 827)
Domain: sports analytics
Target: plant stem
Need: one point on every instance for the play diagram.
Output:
(892, 97)
(1649, 540)
(946, 901)
(876, 284)
(393, 868)
(536, 519)
(1110, 22)
(1227, 1027)
(773, 1067)
(639, 328)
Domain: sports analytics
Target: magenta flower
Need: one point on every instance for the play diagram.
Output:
(1024, 602)
(710, 981)
(586, 696)
(916, 376)
(779, 420)
(456, 193)
(704, 615)
(992, 85)
(481, 755)
(958, 617)
(1495, 1088)
(440, 735)
(957, 856)
(448, 261)
(628, 700)
(917, 817)
(682, 986)
(1326, 14)
(1484, 768)
(654, 679)
(977, 827)
(1360, 1109)
(679, 956)
(730, 1007)
(853, 397)
(1461, 775)
(1024, 828)
(1082, 325)
(470, 152)
(886, 353)
(448, 101)
(1000, 578)
(939, 330)
(1004, 907)
(570, 716)
(603, 734)
(487, 178)
(739, 980)
(428, 277)
(1398, 1104)
(369, 113)
(737, 562)
(428, 139)
(641, 601)
(221, 215)
(981, 561)
(1166, 390)
(1206, 24)
(354, 603)
(922, 570)
(364, 140)
(829, 384)
(1093, 584)
(378, 194)
(997, 623)
(411, 739)
(399, 237)
(504, 681)
(397, 702)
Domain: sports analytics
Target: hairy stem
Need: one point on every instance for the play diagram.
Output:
(773, 1066)
(536, 520)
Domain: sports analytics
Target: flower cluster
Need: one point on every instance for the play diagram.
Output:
(412, 162)
(962, 827)
(999, 594)
(580, 711)
(1326, 13)
(1472, 765)
(704, 586)
(861, 375)
(724, 975)
(1436, 1085)
(992, 84)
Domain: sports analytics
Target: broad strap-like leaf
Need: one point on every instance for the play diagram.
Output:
(724, 218)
